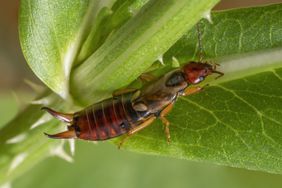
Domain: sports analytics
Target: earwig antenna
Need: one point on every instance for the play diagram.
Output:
(200, 46)
(217, 72)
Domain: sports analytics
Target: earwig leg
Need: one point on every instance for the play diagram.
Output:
(165, 122)
(166, 110)
(192, 90)
(146, 77)
(61, 116)
(166, 126)
(220, 74)
(137, 129)
(63, 135)
(123, 91)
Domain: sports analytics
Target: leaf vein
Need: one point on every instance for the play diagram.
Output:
(225, 124)
(260, 114)
(276, 74)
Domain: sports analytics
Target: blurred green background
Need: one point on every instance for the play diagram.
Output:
(102, 164)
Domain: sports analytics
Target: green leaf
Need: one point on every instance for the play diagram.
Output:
(232, 32)
(237, 120)
(235, 123)
(56, 35)
(51, 34)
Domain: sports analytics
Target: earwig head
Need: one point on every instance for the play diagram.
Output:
(196, 72)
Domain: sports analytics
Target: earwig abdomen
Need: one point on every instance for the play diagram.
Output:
(107, 119)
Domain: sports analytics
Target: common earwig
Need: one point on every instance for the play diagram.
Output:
(131, 110)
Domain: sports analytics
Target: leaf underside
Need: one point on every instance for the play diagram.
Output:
(227, 124)
(234, 122)
(48, 41)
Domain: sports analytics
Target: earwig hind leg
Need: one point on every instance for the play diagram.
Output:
(68, 118)
(166, 126)
(165, 122)
(123, 91)
(137, 129)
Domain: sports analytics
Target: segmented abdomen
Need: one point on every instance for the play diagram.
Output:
(107, 119)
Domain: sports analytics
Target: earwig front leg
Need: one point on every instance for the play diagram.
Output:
(123, 91)
(165, 122)
(137, 129)
(192, 90)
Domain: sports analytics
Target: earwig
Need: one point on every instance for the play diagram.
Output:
(131, 110)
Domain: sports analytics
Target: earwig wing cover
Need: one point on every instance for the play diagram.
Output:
(140, 106)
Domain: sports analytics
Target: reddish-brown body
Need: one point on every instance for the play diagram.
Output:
(107, 119)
